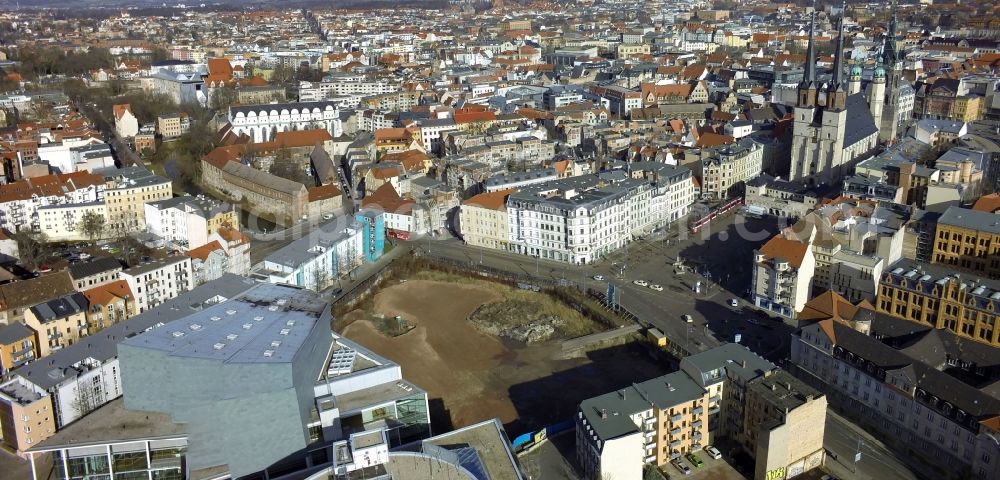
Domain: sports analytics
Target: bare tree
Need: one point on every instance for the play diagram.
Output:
(92, 225)
(31, 247)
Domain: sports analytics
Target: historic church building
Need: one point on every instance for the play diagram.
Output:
(836, 124)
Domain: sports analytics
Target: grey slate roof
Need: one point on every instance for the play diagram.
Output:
(661, 392)
(61, 307)
(731, 357)
(52, 370)
(95, 266)
(860, 123)
(14, 332)
(971, 219)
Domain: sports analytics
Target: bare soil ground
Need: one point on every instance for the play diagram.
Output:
(471, 376)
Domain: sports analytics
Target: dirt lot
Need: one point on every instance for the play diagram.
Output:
(472, 376)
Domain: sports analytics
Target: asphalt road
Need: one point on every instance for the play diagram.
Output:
(724, 252)
(877, 462)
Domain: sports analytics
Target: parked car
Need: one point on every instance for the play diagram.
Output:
(656, 287)
(641, 283)
(328, 216)
(733, 302)
(713, 452)
(697, 462)
(680, 465)
(599, 278)
(687, 318)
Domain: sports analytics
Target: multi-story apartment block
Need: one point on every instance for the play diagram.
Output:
(968, 240)
(582, 219)
(65, 223)
(58, 322)
(26, 415)
(727, 392)
(911, 395)
(314, 261)
(94, 272)
(172, 125)
(767, 195)
(726, 169)
(783, 426)
(17, 346)
(782, 275)
(189, 221)
(158, 281)
(20, 200)
(652, 422)
(127, 191)
(335, 85)
(109, 304)
(938, 297)
(483, 220)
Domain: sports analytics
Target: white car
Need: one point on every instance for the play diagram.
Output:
(687, 318)
(713, 452)
(680, 465)
(641, 283)
(328, 216)
(599, 278)
(734, 302)
(656, 287)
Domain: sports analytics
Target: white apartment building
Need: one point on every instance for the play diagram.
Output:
(782, 275)
(313, 261)
(582, 219)
(338, 86)
(20, 200)
(262, 122)
(156, 282)
(127, 191)
(908, 397)
(64, 223)
(187, 221)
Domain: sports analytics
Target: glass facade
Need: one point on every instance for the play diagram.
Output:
(163, 464)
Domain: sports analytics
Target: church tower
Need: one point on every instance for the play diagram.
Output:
(854, 81)
(818, 130)
(892, 63)
(876, 95)
(836, 94)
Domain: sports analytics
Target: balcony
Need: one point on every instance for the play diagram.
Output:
(696, 424)
(676, 443)
(650, 459)
(698, 410)
(676, 418)
(713, 410)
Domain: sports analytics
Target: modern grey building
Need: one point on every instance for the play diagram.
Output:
(255, 385)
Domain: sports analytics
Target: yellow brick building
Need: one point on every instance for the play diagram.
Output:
(941, 298)
(968, 240)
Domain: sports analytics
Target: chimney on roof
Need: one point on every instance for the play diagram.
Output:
(788, 385)
(604, 413)
(743, 363)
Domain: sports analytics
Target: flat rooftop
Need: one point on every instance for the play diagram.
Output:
(784, 391)
(113, 423)
(267, 324)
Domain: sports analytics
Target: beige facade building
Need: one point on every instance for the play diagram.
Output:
(783, 426)
(59, 322)
(725, 169)
(26, 414)
(126, 193)
(782, 274)
(666, 417)
(726, 392)
(483, 220)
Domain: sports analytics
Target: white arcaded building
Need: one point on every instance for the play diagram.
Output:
(262, 122)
